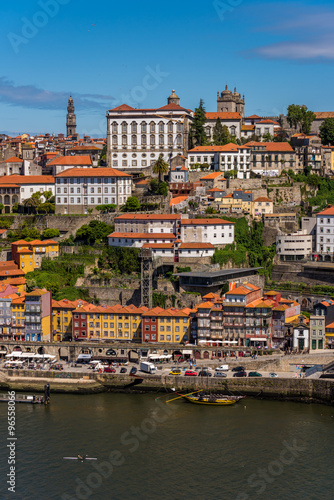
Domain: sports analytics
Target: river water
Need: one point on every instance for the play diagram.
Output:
(147, 449)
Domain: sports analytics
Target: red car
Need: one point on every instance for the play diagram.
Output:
(190, 373)
(109, 370)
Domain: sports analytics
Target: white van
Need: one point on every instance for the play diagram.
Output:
(222, 368)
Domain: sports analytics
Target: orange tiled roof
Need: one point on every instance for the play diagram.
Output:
(177, 200)
(92, 172)
(144, 236)
(211, 176)
(200, 222)
(168, 246)
(327, 211)
(14, 159)
(71, 160)
(27, 179)
(148, 217)
(263, 198)
(243, 289)
(196, 245)
(224, 115)
(272, 146)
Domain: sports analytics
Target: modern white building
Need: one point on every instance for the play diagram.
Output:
(294, 246)
(325, 234)
(81, 189)
(136, 137)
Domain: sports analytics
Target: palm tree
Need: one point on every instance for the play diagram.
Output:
(160, 167)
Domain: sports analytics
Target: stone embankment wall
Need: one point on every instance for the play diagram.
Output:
(303, 390)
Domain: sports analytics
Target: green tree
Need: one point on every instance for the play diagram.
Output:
(300, 116)
(50, 233)
(160, 167)
(222, 135)
(15, 208)
(197, 132)
(154, 186)
(1, 207)
(93, 232)
(163, 189)
(132, 204)
(106, 208)
(267, 137)
(327, 132)
(103, 155)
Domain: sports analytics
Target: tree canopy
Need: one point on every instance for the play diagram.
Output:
(93, 232)
(197, 132)
(327, 132)
(301, 117)
(160, 167)
(132, 204)
(221, 134)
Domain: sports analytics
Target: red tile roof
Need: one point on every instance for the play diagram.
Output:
(27, 179)
(212, 149)
(213, 175)
(272, 146)
(122, 107)
(177, 200)
(131, 216)
(321, 115)
(14, 159)
(196, 245)
(206, 222)
(71, 160)
(92, 172)
(168, 246)
(263, 198)
(327, 211)
(228, 115)
(143, 236)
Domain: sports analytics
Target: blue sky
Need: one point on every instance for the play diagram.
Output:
(106, 53)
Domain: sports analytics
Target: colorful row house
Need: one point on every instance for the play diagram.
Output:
(28, 255)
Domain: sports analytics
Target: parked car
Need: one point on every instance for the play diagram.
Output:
(273, 375)
(123, 370)
(240, 374)
(109, 370)
(175, 372)
(220, 374)
(254, 374)
(238, 369)
(204, 374)
(133, 370)
(190, 373)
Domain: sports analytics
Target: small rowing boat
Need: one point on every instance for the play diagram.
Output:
(79, 458)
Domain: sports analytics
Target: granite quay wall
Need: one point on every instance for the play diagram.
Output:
(301, 390)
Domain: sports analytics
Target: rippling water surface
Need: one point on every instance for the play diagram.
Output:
(146, 450)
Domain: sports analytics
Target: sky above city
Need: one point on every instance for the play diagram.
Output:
(108, 53)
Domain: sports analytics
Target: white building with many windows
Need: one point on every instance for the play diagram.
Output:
(228, 158)
(136, 137)
(81, 189)
(135, 230)
(325, 233)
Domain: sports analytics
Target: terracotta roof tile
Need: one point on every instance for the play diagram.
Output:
(71, 160)
(92, 172)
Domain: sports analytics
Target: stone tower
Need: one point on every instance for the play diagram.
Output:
(229, 101)
(173, 98)
(71, 119)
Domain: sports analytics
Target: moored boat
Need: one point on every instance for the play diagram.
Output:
(213, 399)
(199, 397)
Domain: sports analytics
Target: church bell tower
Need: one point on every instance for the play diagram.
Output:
(71, 119)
